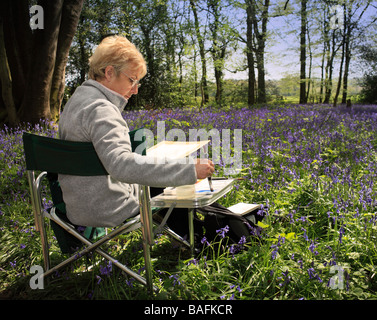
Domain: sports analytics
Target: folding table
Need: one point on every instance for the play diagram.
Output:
(171, 201)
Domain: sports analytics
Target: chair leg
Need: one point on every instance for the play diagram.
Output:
(147, 231)
(95, 246)
(174, 235)
(35, 192)
(45, 248)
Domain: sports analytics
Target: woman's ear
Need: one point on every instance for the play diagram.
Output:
(109, 73)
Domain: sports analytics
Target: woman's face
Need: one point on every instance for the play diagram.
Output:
(125, 83)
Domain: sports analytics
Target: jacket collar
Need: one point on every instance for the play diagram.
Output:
(114, 97)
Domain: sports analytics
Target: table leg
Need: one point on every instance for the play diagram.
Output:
(191, 229)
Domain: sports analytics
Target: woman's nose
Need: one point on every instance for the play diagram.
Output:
(135, 89)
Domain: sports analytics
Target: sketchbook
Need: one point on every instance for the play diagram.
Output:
(175, 149)
(243, 208)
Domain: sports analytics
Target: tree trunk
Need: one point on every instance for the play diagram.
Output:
(218, 49)
(347, 49)
(260, 48)
(17, 41)
(303, 52)
(309, 80)
(340, 76)
(36, 102)
(323, 58)
(70, 18)
(37, 58)
(204, 86)
(346, 70)
(6, 82)
(329, 69)
(341, 65)
(250, 56)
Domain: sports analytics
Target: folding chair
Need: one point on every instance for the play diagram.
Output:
(53, 156)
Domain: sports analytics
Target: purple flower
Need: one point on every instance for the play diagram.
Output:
(106, 270)
(285, 277)
(276, 247)
(193, 261)
(222, 231)
(312, 248)
(175, 278)
(242, 241)
(341, 233)
(205, 241)
(313, 274)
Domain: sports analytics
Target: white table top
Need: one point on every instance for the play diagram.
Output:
(199, 199)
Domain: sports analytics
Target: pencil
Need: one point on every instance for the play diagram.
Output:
(210, 183)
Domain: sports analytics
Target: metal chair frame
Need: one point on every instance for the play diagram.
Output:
(143, 220)
(40, 214)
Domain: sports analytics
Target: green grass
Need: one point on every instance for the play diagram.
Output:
(312, 168)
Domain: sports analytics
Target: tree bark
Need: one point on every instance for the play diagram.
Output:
(303, 52)
(36, 102)
(340, 76)
(6, 82)
(330, 67)
(204, 86)
(70, 18)
(341, 65)
(250, 55)
(260, 47)
(37, 58)
(218, 50)
(17, 41)
(347, 53)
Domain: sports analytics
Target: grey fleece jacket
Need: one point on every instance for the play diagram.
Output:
(94, 114)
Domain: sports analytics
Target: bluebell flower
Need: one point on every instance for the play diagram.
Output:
(341, 232)
(242, 241)
(312, 248)
(205, 241)
(175, 278)
(313, 274)
(222, 231)
(106, 270)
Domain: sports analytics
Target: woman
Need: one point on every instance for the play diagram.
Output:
(94, 113)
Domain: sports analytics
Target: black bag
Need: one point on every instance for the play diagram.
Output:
(219, 221)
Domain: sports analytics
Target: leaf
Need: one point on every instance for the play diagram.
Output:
(354, 255)
(291, 236)
(262, 225)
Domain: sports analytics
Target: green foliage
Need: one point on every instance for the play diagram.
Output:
(313, 169)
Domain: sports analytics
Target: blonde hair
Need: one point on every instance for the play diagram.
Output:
(118, 52)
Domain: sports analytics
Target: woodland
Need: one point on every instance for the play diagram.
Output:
(298, 77)
(198, 52)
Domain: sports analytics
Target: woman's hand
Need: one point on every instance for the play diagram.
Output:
(204, 168)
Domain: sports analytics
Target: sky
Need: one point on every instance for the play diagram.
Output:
(282, 53)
